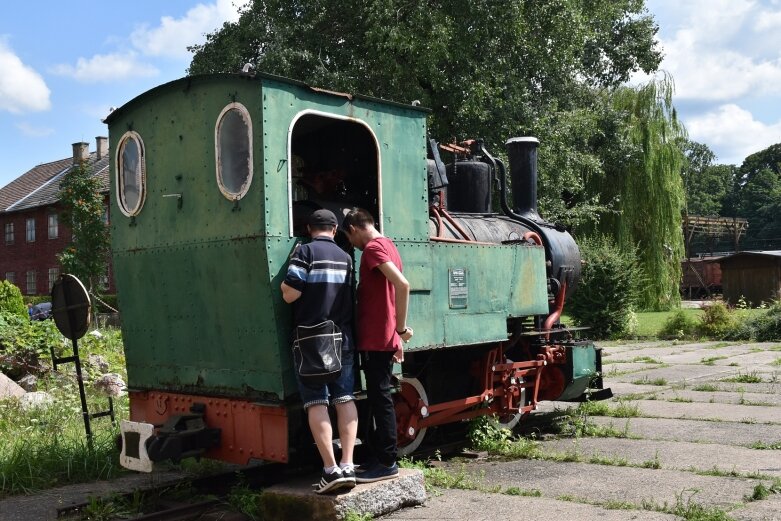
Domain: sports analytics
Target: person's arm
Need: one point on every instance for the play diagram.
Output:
(297, 274)
(401, 285)
(289, 294)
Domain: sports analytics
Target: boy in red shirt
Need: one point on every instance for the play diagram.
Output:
(383, 297)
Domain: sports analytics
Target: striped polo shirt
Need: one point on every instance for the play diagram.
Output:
(323, 273)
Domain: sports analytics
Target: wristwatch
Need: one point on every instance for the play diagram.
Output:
(402, 332)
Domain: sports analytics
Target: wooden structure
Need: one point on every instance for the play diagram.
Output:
(752, 275)
(714, 228)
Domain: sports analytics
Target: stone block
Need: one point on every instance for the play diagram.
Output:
(9, 388)
(296, 499)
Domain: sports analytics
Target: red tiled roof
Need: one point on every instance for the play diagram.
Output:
(41, 185)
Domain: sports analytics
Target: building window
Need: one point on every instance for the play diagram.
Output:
(53, 226)
(103, 280)
(31, 287)
(54, 273)
(131, 174)
(31, 229)
(233, 146)
(9, 233)
(10, 276)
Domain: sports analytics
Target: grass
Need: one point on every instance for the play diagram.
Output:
(44, 447)
(744, 378)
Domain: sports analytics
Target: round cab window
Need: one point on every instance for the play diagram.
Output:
(130, 174)
(234, 151)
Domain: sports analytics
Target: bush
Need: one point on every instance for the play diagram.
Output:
(23, 343)
(717, 321)
(767, 326)
(678, 326)
(607, 294)
(11, 300)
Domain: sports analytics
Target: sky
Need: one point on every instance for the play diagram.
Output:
(65, 64)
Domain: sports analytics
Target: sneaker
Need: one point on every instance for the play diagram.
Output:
(349, 475)
(378, 472)
(332, 481)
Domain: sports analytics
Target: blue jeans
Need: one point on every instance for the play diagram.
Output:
(338, 391)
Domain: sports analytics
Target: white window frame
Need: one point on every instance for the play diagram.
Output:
(128, 136)
(31, 282)
(54, 274)
(30, 230)
(54, 229)
(290, 160)
(10, 276)
(248, 120)
(9, 233)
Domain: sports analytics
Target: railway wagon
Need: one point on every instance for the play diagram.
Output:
(211, 179)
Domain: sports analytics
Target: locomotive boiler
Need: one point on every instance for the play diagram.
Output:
(211, 179)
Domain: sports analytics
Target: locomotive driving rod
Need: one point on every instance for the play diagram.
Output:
(502, 390)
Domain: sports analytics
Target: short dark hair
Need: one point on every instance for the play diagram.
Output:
(358, 218)
(321, 227)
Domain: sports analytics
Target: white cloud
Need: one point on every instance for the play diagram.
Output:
(768, 20)
(22, 89)
(722, 49)
(733, 132)
(31, 131)
(106, 68)
(173, 35)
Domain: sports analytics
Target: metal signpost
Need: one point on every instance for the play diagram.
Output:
(71, 312)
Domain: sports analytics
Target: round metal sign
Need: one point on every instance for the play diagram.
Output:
(70, 307)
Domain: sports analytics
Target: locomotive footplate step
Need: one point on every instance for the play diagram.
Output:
(295, 500)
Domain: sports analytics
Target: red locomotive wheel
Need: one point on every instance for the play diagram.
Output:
(411, 404)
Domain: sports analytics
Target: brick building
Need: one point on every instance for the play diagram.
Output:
(32, 230)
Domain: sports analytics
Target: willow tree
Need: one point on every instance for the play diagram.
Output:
(647, 188)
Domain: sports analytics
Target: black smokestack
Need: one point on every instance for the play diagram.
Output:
(522, 153)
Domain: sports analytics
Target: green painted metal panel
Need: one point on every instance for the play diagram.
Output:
(400, 140)
(503, 281)
(177, 126)
(474, 328)
(200, 325)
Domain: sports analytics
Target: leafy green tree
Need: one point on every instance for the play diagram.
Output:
(488, 70)
(87, 254)
(647, 189)
(706, 185)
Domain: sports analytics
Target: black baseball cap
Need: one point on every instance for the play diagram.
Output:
(322, 217)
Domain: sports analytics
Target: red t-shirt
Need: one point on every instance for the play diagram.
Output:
(377, 298)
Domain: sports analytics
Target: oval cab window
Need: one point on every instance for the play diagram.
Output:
(131, 174)
(233, 143)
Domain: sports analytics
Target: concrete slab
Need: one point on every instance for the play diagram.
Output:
(764, 387)
(625, 388)
(600, 484)
(678, 374)
(725, 433)
(483, 506)
(677, 455)
(626, 368)
(710, 411)
(766, 510)
(45, 505)
(735, 397)
(295, 500)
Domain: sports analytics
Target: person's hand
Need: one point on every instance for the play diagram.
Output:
(407, 334)
(398, 355)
